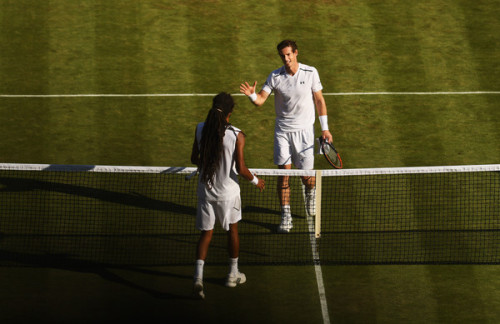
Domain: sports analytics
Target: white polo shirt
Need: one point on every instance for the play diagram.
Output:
(225, 186)
(293, 97)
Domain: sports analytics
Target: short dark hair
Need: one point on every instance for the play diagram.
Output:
(287, 43)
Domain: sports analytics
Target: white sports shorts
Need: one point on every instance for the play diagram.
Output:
(227, 212)
(295, 148)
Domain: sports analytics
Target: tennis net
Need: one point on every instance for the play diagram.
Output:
(78, 215)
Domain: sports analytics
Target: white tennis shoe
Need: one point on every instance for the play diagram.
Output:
(286, 224)
(198, 289)
(234, 279)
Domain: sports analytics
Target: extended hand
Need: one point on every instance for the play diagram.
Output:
(246, 89)
(261, 185)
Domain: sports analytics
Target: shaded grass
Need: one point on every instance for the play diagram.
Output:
(413, 294)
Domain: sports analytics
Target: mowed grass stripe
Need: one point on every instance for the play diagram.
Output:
(365, 128)
(398, 56)
(397, 47)
(71, 38)
(449, 64)
(119, 51)
(120, 68)
(163, 29)
(212, 47)
(24, 49)
(166, 27)
(469, 307)
(481, 25)
(258, 36)
(69, 130)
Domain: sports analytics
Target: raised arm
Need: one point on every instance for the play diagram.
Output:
(257, 99)
(319, 102)
(241, 166)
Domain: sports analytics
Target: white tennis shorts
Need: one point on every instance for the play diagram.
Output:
(227, 212)
(295, 148)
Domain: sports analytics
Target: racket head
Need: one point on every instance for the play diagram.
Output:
(331, 154)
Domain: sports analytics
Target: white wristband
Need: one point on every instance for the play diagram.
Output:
(253, 97)
(255, 180)
(323, 120)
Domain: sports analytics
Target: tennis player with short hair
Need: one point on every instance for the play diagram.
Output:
(218, 152)
(298, 91)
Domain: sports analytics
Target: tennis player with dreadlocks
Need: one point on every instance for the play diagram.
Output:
(218, 153)
(298, 91)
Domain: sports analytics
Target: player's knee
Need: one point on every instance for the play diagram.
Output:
(309, 182)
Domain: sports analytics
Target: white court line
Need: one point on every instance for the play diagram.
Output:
(83, 95)
(417, 93)
(316, 261)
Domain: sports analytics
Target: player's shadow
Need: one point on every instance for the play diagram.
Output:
(65, 262)
(129, 199)
(132, 199)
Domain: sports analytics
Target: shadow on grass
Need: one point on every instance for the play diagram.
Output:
(64, 262)
(129, 199)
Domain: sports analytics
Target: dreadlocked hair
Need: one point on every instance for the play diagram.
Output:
(212, 136)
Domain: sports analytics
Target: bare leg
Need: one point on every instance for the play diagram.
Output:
(233, 241)
(309, 182)
(310, 195)
(203, 244)
(284, 196)
(201, 255)
(234, 277)
(284, 187)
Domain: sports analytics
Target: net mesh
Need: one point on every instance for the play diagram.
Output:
(103, 215)
(443, 216)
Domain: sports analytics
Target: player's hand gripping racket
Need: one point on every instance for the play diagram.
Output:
(330, 153)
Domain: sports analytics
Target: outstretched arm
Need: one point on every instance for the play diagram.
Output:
(319, 102)
(257, 99)
(241, 166)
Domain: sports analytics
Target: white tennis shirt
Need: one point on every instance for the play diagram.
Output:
(293, 97)
(226, 186)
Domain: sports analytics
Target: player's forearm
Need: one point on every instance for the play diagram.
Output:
(323, 117)
(321, 107)
(244, 172)
(258, 99)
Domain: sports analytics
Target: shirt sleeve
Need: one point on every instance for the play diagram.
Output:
(269, 84)
(316, 82)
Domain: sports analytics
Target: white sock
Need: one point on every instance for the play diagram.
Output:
(198, 270)
(286, 211)
(233, 265)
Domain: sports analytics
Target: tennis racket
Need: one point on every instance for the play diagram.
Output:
(330, 153)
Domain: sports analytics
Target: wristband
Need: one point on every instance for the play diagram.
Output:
(323, 120)
(253, 97)
(255, 180)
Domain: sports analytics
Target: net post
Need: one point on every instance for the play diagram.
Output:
(317, 218)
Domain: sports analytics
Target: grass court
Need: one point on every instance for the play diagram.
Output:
(125, 83)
